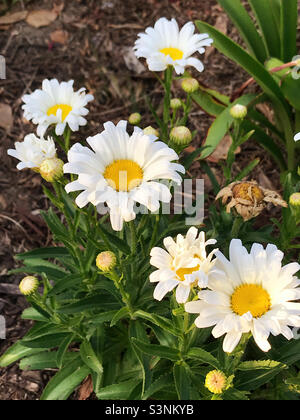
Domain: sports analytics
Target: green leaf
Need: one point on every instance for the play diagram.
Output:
(246, 27)
(233, 51)
(122, 313)
(45, 360)
(63, 348)
(162, 382)
(268, 27)
(182, 382)
(266, 142)
(288, 29)
(163, 352)
(87, 304)
(16, 352)
(89, 357)
(221, 125)
(207, 103)
(46, 341)
(259, 364)
(66, 381)
(119, 391)
(35, 315)
(203, 356)
(115, 241)
(103, 317)
(137, 330)
(290, 88)
(160, 321)
(250, 378)
(246, 171)
(66, 283)
(50, 252)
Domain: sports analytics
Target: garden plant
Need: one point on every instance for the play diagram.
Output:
(147, 290)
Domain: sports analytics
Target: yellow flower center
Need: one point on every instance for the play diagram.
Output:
(174, 53)
(250, 298)
(66, 109)
(248, 192)
(123, 175)
(181, 272)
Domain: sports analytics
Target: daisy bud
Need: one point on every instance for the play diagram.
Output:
(190, 85)
(216, 381)
(135, 118)
(106, 261)
(51, 169)
(150, 131)
(295, 205)
(181, 135)
(28, 285)
(175, 103)
(238, 111)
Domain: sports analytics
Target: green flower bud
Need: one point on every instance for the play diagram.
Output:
(150, 131)
(106, 261)
(275, 62)
(181, 135)
(238, 111)
(190, 85)
(51, 169)
(28, 285)
(175, 103)
(135, 118)
(294, 202)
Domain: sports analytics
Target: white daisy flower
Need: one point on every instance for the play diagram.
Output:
(121, 170)
(250, 293)
(33, 151)
(166, 45)
(297, 137)
(56, 103)
(184, 266)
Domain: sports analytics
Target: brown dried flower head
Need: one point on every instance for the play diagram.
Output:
(248, 198)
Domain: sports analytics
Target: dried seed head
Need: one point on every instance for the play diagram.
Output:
(248, 198)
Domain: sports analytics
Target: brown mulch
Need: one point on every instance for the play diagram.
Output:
(90, 43)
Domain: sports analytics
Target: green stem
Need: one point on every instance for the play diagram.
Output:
(238, 221)
(67, 136)
(133, 237)
(167, 99)
(154, 234)
(119, 286)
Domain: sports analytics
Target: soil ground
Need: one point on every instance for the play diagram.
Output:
(90, 42)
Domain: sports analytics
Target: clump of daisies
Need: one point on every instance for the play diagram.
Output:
(250, 292)
(183, 266)
(56, 104)
(122, 170)
(165, 45)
